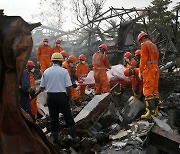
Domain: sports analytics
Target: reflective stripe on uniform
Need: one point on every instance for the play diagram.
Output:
(152, 62)
(100, 68)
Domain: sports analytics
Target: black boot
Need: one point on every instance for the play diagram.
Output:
(55, 137)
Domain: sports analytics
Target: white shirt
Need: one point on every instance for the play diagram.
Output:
(55, 79)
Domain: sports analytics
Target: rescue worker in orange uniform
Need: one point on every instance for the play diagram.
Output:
(100, 64)
(70, 65)
(30, 68)
(82, 69)
(149, 71)
(64, 54)
(136, 83)
(129, 60)
(44, 53)
(137, 57)
(57, 47)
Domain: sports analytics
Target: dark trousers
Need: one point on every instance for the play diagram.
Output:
(25, 102)
(59, 102)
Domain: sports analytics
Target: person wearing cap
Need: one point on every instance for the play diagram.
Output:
(30, 66)
(82, 70)
(70, 65)
(57, 83)
(26, 90)
(100, 64)
(57, 47)
(149, 72)
(44, 53)
(129, 60)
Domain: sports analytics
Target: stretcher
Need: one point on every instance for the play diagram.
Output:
(115, 75)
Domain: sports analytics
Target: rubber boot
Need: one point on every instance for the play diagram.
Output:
(153, 106)
(55, 137)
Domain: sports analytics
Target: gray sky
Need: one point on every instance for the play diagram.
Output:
(26, 8)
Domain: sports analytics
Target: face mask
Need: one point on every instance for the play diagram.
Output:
(65, 58)
(127, 60)
(58, 45)
(71, 64)
(32, 70)
(45, 43)
(82, 61)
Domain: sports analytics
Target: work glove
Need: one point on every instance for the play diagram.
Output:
(140, 76)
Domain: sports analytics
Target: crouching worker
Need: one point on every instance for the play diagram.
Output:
(56, 81)
(136, 83)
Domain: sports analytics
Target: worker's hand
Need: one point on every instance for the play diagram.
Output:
(37, 62)
(140, 76)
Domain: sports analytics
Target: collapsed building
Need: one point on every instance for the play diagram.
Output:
(106, 123)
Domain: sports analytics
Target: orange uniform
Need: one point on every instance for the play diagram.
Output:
(56, 49)
(34, 101)
(100, 63)
(81, 72)
(131, 64)
(44, 53)
(74, 93)
(149, 68)
(136, 83)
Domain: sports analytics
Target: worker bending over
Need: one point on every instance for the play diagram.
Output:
(100, 64)
(129, 60)
(149, 72)
(136, 83)
(56, 81)
(82, 69)
(44, 53)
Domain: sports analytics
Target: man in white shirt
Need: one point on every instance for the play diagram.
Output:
(56, 81)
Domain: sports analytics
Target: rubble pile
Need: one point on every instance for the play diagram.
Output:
(111, 124)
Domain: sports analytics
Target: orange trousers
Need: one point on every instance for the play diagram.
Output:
(101, 82)
(44, 64)
(151, 81)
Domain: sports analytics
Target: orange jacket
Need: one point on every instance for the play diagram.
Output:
(82, 70)
(132, 63)
(100, 61)
(44, 51)
(32, 80)
(65, 64)
(56, 49)
(149, 55)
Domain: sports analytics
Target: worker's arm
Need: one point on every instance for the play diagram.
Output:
(25, 82)
(78, 72)
(68, 91)
(106, 62)
(68, 84)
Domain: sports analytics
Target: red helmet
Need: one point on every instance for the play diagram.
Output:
(129, 71)
(64, 53)
(104, 46)
(82, 57)
(127, 55)
(137, 52)
(45, 39)
(73, 59)
(142, 34)
(58, 41)
(30, 63)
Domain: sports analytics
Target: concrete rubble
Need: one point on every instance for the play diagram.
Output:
(112, 124)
